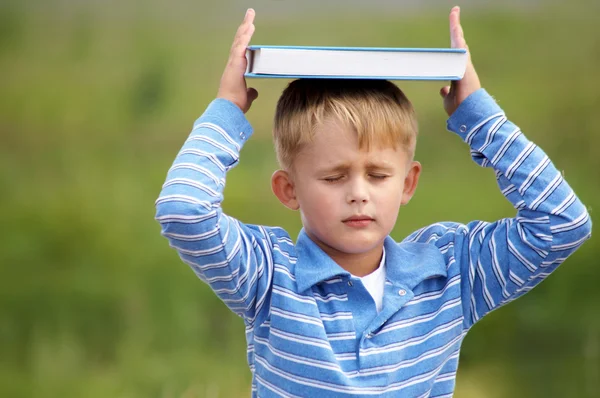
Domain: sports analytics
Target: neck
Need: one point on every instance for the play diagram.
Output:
(358, 264)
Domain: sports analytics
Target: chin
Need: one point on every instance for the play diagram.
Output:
(350, 244)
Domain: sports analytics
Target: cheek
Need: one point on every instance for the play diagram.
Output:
(328, 200)
(390, 197)
(319, 203)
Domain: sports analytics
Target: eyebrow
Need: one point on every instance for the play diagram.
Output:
(379, 166)
(337, 167)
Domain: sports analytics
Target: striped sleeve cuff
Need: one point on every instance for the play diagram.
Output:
(228, 116)
(472, 112)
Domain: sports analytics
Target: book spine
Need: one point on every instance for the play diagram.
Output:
(250, 60)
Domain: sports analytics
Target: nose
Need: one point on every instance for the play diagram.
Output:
(358, 191)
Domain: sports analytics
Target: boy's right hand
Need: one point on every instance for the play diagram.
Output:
(233, 84)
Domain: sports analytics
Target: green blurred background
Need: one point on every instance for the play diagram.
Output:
(96, 98)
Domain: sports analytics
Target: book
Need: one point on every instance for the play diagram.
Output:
(356, 62)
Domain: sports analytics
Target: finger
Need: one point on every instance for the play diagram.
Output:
(246, 24)
(444, 91)
(244, 27)
(248, 20)
(242, 40)
(238, 53)
(250, 14)
(457, 37)
(247, 36)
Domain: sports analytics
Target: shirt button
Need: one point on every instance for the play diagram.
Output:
(369, 335)
(402, 292)
(350, 283)
(242, 136)
(463, 128)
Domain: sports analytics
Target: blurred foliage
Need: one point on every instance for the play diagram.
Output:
(97, 98)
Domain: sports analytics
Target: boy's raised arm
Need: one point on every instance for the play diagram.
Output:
(504, 259)
(235, 259)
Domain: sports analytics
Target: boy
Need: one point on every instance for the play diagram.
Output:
(346, 311)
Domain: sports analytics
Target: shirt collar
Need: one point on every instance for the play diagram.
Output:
(314, 265)
(407, 263)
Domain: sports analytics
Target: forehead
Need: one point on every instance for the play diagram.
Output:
(333, 144)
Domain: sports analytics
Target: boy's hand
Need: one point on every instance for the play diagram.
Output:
(459, 90)
(233, 84)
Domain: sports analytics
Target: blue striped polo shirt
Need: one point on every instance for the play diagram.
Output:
(312, 329)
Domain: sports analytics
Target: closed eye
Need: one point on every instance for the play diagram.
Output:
(379, 176)
(333, 179)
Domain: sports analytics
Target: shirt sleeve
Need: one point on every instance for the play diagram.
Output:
(502, 260)
(233, 258)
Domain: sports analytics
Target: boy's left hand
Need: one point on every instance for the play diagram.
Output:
(459, 90)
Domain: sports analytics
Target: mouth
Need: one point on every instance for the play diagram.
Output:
(358, 221)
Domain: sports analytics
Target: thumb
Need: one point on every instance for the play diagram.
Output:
(444, 91)
(252, 94)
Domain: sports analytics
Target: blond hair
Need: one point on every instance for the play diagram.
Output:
(377, 110)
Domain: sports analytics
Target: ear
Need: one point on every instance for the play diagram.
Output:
(410, 181)
(283, 187)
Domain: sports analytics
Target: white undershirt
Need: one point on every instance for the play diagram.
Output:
(375, 282)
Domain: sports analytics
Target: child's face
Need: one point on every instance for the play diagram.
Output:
(349, 198)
